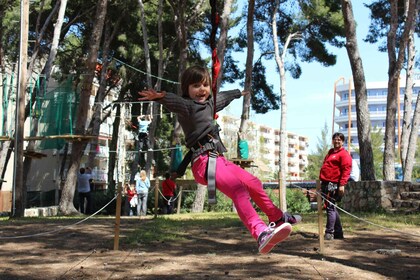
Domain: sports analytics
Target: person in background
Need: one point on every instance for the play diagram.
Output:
(84, 178)
(195, 110)
(132, 200)
(143, 132)
(142, 189)
(334, 174)
(355, 171)
(168, 192)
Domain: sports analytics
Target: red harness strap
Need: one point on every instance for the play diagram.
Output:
(215, 69)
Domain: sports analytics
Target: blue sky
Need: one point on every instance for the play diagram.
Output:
(310, 98)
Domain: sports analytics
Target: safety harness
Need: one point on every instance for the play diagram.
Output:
(211, 146)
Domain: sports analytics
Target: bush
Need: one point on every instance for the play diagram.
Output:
(224, 204)
(297, 202)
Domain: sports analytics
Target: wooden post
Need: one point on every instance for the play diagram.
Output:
(281, 195)
(117, 218)
(320, 215)
(156, 195)
(178, 210)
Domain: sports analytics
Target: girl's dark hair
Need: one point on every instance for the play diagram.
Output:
(192, 75)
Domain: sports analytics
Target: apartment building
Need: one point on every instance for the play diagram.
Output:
(264, 147)
(345, 109)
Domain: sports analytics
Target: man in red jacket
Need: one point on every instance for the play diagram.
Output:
(334, 174)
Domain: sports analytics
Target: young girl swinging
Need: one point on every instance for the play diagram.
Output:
(195, 110)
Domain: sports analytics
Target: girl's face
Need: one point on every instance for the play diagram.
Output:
(199, 91)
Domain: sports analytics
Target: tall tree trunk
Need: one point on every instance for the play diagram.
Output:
(200, 198)
(413, 127)
(66, 203)
(246, 104)
(117, 133)
(104, 86)
(181, 25)
(283, 103)
(178, 8)
(395, 66)
(19, 196)
(41, 32)
(362, 110)
(222, 42)
(47, 71)
(152, 105)
(283, 112)
(408, 138)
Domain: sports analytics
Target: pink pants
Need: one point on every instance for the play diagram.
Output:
(239, 185)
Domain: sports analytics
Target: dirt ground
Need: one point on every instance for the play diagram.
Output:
(85, 251)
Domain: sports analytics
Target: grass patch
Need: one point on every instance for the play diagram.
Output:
(179, 227)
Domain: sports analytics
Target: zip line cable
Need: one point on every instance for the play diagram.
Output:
(140, 71)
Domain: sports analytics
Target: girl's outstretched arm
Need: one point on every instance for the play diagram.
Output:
(150, 94)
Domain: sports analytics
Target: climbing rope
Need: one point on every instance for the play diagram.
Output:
(354, 216)
(59, 229)
(215, 69)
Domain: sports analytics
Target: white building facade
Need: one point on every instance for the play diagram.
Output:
(345, 109)
(264, 147)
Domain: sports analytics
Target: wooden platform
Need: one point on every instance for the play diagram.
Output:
(244, 163)
(68, 137)
(33, 154)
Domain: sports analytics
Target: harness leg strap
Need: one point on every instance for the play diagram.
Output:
(211, 177)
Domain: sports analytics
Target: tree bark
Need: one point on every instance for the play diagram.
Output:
(395, 66)
(20, 193)
(410, 127)
(280, 59)
(27, 164)
(246, 104)
(222, 42)
(362, 110)
(152, 106)
(66, 206)
(200, 198)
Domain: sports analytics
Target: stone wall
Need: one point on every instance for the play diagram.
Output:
(373, 195)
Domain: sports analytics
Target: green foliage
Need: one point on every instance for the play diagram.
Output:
(316, 159)
(9, 26)
(380, 15)
(163, 133)
(297, 202)
(263, 98)
(224, 204)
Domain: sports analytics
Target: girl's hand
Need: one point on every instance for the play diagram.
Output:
(150, 94)
(245, 92)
